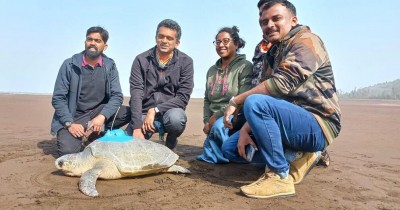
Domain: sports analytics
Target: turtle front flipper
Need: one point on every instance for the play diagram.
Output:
(87, 183)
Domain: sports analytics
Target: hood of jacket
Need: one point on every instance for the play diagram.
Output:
(236, 59)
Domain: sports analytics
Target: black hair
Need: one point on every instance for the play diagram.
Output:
(261, 3)
(234, 33)
(171, 24)
(285, 3)
(97, 29)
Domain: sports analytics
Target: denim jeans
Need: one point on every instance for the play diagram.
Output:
(212, 144)
(276, 125)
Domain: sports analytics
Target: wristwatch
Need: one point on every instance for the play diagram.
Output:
(67, 124)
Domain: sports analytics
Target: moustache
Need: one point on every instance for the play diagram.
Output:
(92, 46)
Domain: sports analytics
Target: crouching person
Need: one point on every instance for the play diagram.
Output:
(87, 95)
(295, 108)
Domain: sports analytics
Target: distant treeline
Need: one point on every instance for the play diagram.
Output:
(386, 90)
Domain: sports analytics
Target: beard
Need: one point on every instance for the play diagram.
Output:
(92, 54)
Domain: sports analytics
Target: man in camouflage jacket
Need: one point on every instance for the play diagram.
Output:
(294, 108)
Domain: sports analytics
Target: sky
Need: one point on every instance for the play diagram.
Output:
(38, 35)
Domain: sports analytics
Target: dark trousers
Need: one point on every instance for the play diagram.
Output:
(173, 122)
(67, 144)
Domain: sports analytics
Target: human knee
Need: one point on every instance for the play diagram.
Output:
(175, 120)
(252, 102)
(68, 149)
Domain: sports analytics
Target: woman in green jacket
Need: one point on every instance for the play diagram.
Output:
(230, 76)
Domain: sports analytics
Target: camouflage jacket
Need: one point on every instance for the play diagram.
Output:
(258, 62)
(298, 70)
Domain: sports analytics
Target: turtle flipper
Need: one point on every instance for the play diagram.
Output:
(87, 183)
(178, 169)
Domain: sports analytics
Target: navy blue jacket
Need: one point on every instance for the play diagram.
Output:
(164, 88)
(68, 87)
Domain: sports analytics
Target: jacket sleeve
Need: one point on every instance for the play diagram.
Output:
(136, 82)
(245, 78)
(116, 96)
(60, 94)
(185, 88)
(305, 56)
(206, 107)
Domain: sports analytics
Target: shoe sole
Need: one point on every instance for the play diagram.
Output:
(280, 195)
(309, 169)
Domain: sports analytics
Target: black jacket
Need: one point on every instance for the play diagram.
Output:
(164, 88)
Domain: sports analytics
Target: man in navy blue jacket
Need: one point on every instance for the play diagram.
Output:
(161, 82)
(87, 95)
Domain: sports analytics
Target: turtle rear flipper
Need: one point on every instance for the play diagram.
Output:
(178, 169)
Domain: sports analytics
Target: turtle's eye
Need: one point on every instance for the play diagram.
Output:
(60, 163)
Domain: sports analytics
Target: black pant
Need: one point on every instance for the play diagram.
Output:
(67, 144)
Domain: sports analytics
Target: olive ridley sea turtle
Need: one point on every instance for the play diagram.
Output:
(115, 156)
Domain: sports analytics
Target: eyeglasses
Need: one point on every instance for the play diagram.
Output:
(224, 42)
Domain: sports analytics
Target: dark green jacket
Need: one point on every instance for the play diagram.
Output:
(222, 84)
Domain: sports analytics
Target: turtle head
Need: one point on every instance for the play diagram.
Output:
(69, 164)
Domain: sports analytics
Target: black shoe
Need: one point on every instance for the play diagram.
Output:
(171, 141)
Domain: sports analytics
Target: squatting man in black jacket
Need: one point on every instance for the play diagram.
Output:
(161, 82)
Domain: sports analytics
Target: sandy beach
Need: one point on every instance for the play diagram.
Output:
(364, 170)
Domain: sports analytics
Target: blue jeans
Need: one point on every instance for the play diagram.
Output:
(212, 144)
(276, 125)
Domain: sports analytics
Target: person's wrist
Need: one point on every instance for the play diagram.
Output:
(102, 117)
(67, 125)
(233, 103)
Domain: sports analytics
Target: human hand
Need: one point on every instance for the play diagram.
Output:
(244, 140)
(76, 130)
(229, 110)
(148, 122)
(137, 133)
(97, 123)
(211, 121)
(206, 128)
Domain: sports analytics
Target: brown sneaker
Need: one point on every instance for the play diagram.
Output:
(268, 186)
(302, 166)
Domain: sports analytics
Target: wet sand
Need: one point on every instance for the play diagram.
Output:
(364, 170)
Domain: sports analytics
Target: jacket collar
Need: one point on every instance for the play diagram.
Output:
(296, 29)
(77, 59)
(152, 55)
(236, 59)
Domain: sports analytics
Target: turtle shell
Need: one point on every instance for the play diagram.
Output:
(134, 157)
